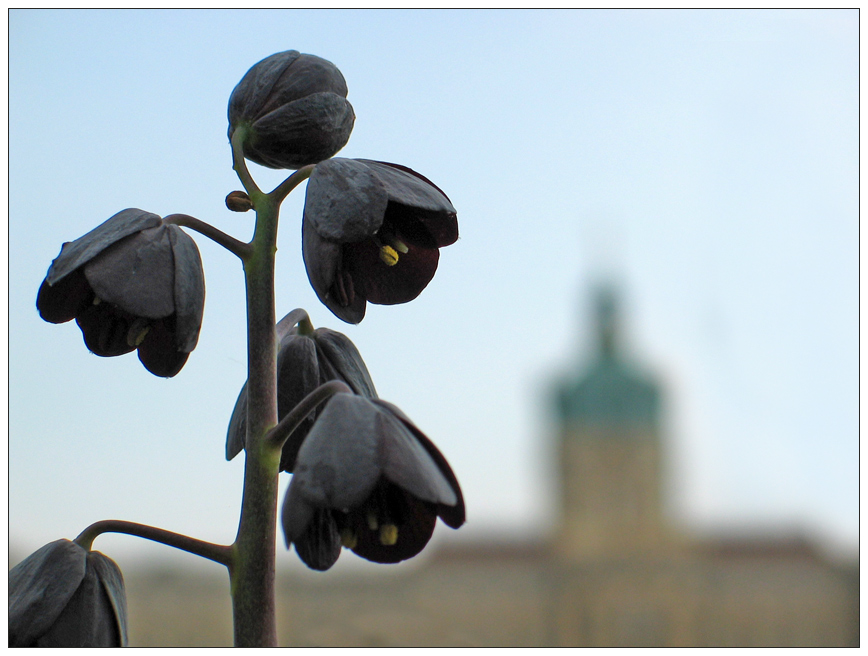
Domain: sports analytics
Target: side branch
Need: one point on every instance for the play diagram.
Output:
(216, 552)
(231, 244)
(240, 165)
(297, 317)
(282, 190)
(280, 433)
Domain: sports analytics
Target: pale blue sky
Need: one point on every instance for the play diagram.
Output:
(707, 161)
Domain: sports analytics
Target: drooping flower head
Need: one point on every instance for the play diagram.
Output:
(132, 283)
(372, 232)
(305, 360)
(368, 479)
(65, 596)
(293, 109)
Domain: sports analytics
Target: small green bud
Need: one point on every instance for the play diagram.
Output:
(238, 201)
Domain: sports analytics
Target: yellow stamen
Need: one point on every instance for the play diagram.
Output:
(372, 520)
(399, 246)
(388, 255)
(136, 333)
(348, 538)
(388, 534)
(97, 300)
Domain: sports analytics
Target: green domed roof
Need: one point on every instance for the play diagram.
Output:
(609, 391)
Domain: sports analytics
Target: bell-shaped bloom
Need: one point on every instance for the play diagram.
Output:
(304, 362)
(133, 282)
(367, 479)
(372, 232)
(64, 596)
(294, 110)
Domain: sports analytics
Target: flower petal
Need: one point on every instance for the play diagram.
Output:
(295, 514)
(293, 110)
(40, 586)
(113, 582)
(452, 515)
(407, 187)
(344, 358)
(406, 463)
(82, 250)
(298, 374)
(137, 274)
(415, 528)
(90, 617)
(319, 546)
(189, 289)
(338, 463)
(60, 302)
(236, 434)
(251, 93)
(305, 131)
(105, 328)
(158, 351)
(344, 201)
(389, 285)
(331, 282)
(305, 75)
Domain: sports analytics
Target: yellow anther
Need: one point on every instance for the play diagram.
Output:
(399, 246)
(96, 300)
(348, 538)
(372, 520)
(388, 255)
(388, 534)
(137, 332)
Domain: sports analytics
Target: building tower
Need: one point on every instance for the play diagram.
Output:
(609, 451)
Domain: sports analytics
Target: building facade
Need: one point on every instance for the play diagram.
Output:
(615, 574)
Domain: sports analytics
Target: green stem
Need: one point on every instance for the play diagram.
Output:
(280, 433)
(282, 190)
(298, 317)
(252, 570)
(231, 244)
(216, 552)
(240, 165)
(252, 573)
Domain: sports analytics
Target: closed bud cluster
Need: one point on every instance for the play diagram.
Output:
(292, 109)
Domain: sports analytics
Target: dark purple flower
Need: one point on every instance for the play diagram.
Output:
(304, 362)
(133, 282)
(368, 479)
(294, 111)
(64, 596)
(372, 232)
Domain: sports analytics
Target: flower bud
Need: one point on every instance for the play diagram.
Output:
(304, 362)
(292, 109)
(65, 596)
(238, 201)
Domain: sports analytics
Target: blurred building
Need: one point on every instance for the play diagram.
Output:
(625, 578)
(615, 574)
